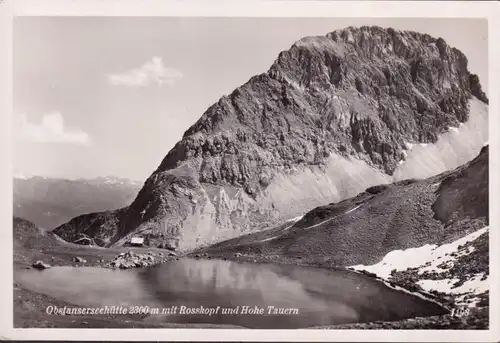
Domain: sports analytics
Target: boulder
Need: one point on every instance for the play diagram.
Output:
(78, 259)
(40, 265)
(131, 259)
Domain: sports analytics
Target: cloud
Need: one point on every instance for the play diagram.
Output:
(50, 130)
(151, 72)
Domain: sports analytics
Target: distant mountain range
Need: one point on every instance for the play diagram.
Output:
(50, 202)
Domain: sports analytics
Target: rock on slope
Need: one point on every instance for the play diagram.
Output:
(50, 202)
(331, 117)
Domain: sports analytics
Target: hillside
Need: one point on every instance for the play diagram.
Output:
(424, 235)
(365, 228)
(50, 202)
(332, 116)
(28, 240)
(28, 235)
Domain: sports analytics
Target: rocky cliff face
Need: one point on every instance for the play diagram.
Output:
(331, 117)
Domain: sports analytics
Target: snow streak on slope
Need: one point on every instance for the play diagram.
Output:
(433, 259)
(453, 148)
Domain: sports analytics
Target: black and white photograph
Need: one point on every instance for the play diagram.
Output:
(231, 172)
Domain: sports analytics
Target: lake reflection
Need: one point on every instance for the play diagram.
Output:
(322, 297)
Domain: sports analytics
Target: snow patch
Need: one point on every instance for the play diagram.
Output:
(452, 149)
(268, 239)
(320, 223)
(25, 176)
(292, 221)
(401, 260)
(408, 145)
(296, 219)
(427, 259)
(353, 209)
(474, 285)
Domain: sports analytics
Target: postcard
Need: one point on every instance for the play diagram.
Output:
(265, 170)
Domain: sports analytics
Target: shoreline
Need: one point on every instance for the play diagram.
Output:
(26, 302)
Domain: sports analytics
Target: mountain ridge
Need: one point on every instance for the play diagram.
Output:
(332, 116)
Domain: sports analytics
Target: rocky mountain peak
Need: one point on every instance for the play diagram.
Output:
(353, 99)
(372, 87)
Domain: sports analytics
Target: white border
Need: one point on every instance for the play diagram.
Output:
(242, 8)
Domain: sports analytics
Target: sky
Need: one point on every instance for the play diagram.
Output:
(110, 96)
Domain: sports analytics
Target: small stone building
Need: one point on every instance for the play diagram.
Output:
(137, 241)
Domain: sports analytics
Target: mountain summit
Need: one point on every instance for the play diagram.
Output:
(332, 116)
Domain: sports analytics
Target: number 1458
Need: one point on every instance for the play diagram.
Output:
(460, 312)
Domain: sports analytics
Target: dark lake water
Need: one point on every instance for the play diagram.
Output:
(313, 296)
